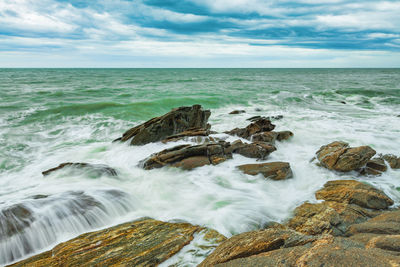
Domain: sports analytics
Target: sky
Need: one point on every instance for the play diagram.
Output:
(200, 33)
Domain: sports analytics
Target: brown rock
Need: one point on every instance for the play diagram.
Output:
(284, 135)
(388, 223)
(386, 242)
(188, 157)
(257, 150)
(354, 192)
(237, 112)
(145, 242)
(340, 157)
(272, 170)
(258, 126)
(268, 137)
(96, 169)
(374, 166)
(176, 121)
(253, 243)
(188, 133)
(393, 161)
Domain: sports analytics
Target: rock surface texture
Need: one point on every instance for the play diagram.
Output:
(272, 170)
(174, 122)
(145, 242)
(98, 169)
(258, 126)
(339, 156)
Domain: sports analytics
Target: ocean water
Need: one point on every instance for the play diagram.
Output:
(50, 116)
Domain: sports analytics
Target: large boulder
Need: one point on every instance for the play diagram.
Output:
(354, 192)
(174, 122)
(92, 169)
(273, 170)
(145, 242)
(339, 156)
(258, 126)
(188, 157)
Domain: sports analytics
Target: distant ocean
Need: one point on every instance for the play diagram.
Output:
(50, 116)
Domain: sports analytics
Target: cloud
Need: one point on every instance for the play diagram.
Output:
(203, 30)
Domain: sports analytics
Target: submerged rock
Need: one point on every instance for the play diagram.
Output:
(272, 170)
(97, 169)
(145, 242)
(339, 156)
(176, 121)
(237, 112)
(188, 157)
(258, 126)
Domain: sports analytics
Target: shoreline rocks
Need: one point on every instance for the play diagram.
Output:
(271, 170)
(97, 169)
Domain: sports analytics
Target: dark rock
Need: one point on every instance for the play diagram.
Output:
(277, 117)
(145, 242)
(96, 169)
(258, 126)
(259, 109)
(254, 118)
(257, 150)
(188, 157)
(284, 135)
(393, 161)
(340, 157)
(174, 122)
(237, 112)
(268, 137)
(272, 170)
(188, 133)
(343, 102)
(354, 192)
(374, 166)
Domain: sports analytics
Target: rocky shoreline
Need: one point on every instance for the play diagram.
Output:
(354, 225)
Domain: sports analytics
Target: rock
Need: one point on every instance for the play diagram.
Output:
(354, 192)
(95, 169)
(343, 102)
(272, 170)
(386, 242)
(188, 133)
(327, 218)
(145, 242)
(393, 161)
(254, 118)
(277, 117)
(253, 243)
(257, 150)
(268, 137)
(188, 157)
(258, 126)
(174, 122)
(327, 251)
(340, 157)
(237, 112)
(387, 223)
(284, 135)
(374, 166)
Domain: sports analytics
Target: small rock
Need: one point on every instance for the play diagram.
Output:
(257, 150)
(188, 133)
(343, 102)
(237, 112)
(272, 170)
(258, 126)
(393, 161)
(284, 135)
(374, 166)
(268, 137)
(97, 169)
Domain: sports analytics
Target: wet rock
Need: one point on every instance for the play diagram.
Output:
(268, 137)
(15, 219)
(393, 161)
(343, 102)
(326, 251)
(272, 170)
(145, 242)
(188, 157)
(96, 169)
(176, 121)
(354, 192)
(237, 112)
(340, 157)
(253, 243)
(255, 118)
(387, 223)
(188, 133)
(257, 150)
(386, 242)
(258, 126)
(284, 135)
(374, 166)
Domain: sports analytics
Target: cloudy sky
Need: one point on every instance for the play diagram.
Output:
(199, 33)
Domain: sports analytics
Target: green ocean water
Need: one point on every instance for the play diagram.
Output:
(49, 116)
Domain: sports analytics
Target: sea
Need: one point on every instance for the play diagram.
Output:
(51, 116)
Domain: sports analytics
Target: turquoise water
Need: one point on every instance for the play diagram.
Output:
(49, 116)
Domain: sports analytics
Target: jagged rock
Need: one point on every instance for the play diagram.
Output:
(340, 157)
(387, 223)
(327, 251)
(188, 157)
(284, 135)
(354, 192)
(257, 150)
(96, 169)
(268, 137)
(255, 118)
(374, 166)
(253, 243)
(272, 170)
(258, 126)
(188, 133)
(174, 122)
(237, 112)
(393, 161)
(145, 242)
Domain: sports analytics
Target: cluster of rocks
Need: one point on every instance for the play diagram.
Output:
(352, 226)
